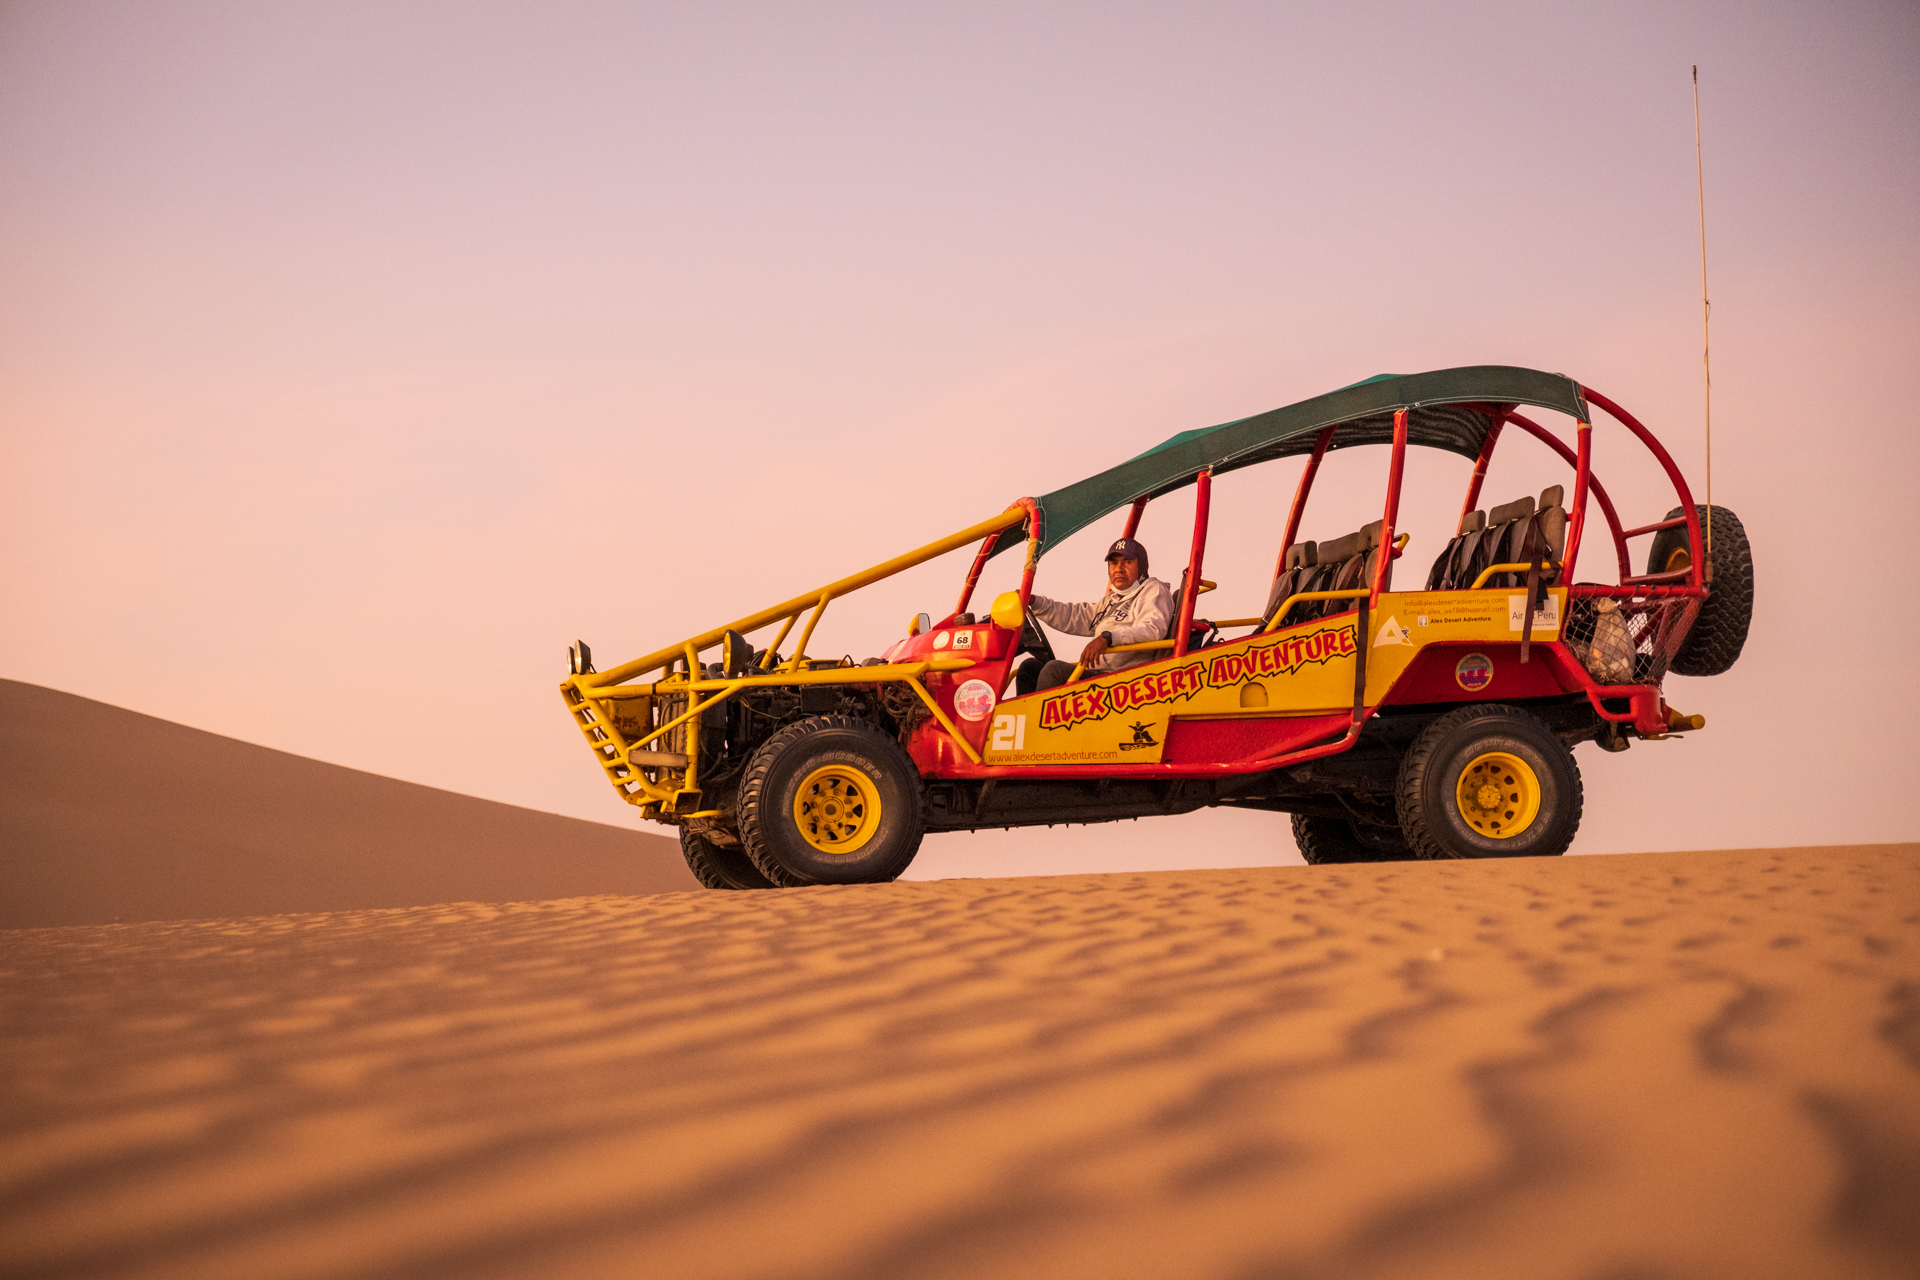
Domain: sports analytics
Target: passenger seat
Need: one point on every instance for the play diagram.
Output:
(1460, 552)
(1301, 560)
(1524, 531)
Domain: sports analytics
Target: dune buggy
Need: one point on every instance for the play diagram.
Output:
(1435, 722)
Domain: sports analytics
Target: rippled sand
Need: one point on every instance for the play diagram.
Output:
(1677, 1065)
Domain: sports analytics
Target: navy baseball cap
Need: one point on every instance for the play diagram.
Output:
(1128, 549)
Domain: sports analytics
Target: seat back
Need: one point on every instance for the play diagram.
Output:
(1526, 529)
(1506, 530)
(1345, 561)
(1445, 574)
(1301, 560)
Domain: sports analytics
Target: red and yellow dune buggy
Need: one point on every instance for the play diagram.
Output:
(1436, 722)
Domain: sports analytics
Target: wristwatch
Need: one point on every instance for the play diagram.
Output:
(1108, 637)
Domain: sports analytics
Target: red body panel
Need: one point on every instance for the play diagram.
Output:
(1228, 741)
(1432, 676)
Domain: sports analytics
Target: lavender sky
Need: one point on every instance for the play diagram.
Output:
(356, 358)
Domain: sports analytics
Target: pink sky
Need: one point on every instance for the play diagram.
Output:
(354, 359)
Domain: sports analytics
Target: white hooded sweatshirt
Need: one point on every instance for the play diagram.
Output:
(1144, 611)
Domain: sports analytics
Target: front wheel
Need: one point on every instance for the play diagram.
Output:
(1489, 781)
(830, 800)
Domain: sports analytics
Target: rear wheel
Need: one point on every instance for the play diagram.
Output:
(830, 800)
(1720, 632)
(718, 867)
(1324, 840)
(1489, 781)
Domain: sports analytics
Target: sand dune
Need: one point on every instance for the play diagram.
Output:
(1673, 1065)
(108, 815)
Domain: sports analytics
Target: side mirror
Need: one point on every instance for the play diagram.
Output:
(920, 623)
(1007, 612)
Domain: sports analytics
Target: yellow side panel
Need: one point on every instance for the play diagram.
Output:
(1301, 670)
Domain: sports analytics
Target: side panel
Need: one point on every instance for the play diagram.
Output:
(1290, 683)
(1477, 672)
(1123, 718)
(1224, 741)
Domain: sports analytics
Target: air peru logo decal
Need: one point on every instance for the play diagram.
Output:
(1280, 658)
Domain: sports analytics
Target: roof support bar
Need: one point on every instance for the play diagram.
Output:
(1582, 464)
(1393, 513)
(1320, 444)
(1202, 499)
(1598, 490)
(1479, 473)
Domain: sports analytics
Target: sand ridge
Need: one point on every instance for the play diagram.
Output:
(1659, 1065)
(109, 815)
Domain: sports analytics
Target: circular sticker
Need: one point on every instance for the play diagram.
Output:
(1474, 672)
(974, 700)
(940, 639)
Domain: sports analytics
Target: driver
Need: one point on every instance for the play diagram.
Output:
(1134, 608)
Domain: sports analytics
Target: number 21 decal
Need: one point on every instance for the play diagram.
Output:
(1009, 733)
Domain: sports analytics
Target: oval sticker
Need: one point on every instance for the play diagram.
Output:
(940, 639)
(974, 700)
(1474, 672)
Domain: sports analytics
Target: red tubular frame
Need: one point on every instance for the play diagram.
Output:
(1133, 517)
(1202, 500)
(1594, 486)
(1480, 472)
(1300, 496)
(1394, 469)
(1685, 494)
(973, 574)
(986, 550)
(1583, 463)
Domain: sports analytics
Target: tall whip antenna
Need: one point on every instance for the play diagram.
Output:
(1706, 312)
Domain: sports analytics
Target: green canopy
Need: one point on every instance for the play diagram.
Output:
(1451, 409)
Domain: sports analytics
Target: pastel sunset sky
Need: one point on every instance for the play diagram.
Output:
(357, 357)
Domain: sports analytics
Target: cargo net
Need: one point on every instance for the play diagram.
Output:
(1627, 641)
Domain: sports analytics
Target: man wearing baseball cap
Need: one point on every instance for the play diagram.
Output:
(1135, 608)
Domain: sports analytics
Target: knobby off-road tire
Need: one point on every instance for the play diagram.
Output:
(1489, 781)
(718, 867)
(1323, 840)
(830, 800)
(1720, 632)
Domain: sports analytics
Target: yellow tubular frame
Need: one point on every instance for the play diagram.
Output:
(589, 694)
(1492, 569)
(799, 604)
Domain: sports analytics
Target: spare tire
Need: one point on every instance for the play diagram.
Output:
(1720, 632)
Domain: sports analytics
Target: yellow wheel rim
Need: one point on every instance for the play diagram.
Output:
(1680, 559)
(837, 809)
(1498, 795)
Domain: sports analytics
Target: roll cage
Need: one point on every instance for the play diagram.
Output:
(648, 733)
